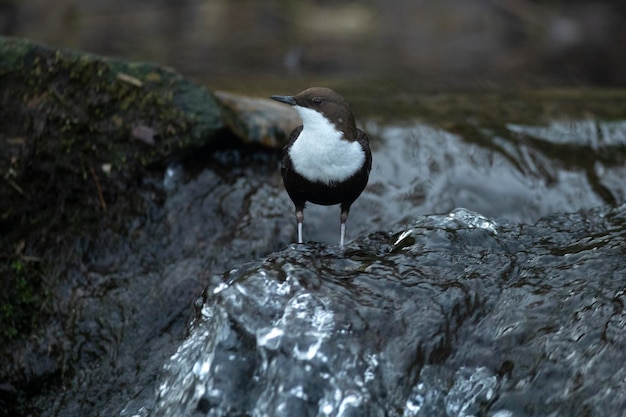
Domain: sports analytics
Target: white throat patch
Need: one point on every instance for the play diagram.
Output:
(319, 154)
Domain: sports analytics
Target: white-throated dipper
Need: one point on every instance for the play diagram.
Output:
(327, 160)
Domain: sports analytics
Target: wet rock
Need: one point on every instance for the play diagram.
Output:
(453, 316)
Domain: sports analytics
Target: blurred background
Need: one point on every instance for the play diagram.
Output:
(429, 44)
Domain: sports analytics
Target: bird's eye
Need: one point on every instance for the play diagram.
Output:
(317, 100)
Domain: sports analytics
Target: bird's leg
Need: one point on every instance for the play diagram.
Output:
(300, 220)
(344, 217)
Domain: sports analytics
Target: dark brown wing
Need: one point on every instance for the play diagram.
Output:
(362, 139)
(285, 162)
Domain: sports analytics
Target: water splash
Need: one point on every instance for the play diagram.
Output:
(388, 325)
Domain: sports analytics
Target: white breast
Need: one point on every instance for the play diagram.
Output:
(319, 153)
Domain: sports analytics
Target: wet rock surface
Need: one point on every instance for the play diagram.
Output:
(512, 306)
(454, 315)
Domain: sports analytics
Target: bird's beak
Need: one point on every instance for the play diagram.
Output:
(285, 99)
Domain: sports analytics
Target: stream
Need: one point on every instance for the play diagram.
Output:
(509, 300)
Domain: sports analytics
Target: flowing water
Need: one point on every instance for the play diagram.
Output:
(512, 306)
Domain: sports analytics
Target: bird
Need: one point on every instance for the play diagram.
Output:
(327, 160)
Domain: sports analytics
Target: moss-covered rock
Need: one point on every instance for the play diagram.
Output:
(77, 131)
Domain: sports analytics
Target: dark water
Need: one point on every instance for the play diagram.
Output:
(516, 311)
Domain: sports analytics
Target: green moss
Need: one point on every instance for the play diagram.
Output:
(79, 93)
(22, 289)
